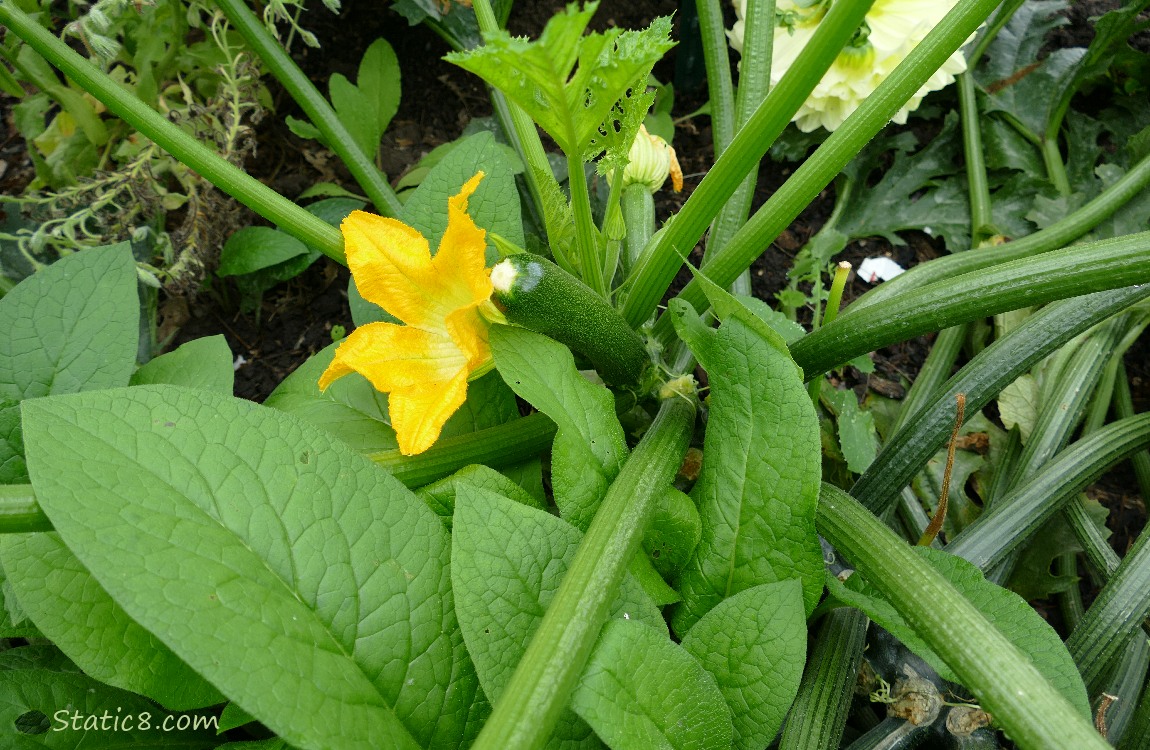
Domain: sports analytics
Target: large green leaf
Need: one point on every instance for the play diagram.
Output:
(924, 186)
(639, 689)
(507, 561)
(759, 485)
(1017, 81)
(350, 409)
(1008, 611)
(754, 643)
(590, 446)
(493, 206)
(574, 106)
(297, 577)
(72, 326)
(49, 705)
(440, 496)
(201, 363)
(68, 606)
(12, 468)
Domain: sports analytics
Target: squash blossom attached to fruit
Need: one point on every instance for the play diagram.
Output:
(444, 303)
(892, 29)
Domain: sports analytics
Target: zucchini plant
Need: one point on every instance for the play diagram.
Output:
(523, 504)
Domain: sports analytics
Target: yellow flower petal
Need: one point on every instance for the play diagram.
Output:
(392, 357)
(462, 251)
(391, 264)
(425, 364)
(419, 413)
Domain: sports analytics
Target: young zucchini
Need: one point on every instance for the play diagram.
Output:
(533, 292)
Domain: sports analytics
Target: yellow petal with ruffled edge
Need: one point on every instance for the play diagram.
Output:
(425, 364)
(395, 357)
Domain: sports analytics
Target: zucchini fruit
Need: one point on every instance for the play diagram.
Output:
(533, 292)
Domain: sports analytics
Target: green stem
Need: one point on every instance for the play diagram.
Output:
(835, 296)
(815, 174)
(1115, 615)
(661, 262)
(934, 373)
(1070, 272)
(719, 87)
(1055, 168)
(1000, 19)
(314, 105)
(1003, 679)
(587, 249)
(639, 217)
(518, 126)
(1055, 236)
(754, 84)
(981, 221)
(819, 714)
(1123, 409)
(525, 715)
(217, 170)
(505, 445)
(983, 378)
(19, 511)
(1011, 522)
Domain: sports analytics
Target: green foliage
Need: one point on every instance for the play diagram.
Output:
(761, 468)
(576, 107)
(332, 529)
(626, 697)
(365, 107)
(590, 446)
(508, 560)
(51, 583)
(202, 363)
(754, 643)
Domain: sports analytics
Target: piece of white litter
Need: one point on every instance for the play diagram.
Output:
(874, 270)
(240, 362)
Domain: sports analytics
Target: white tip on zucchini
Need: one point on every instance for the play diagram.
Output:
(503, 275)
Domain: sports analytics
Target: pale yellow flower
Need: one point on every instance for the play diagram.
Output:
(892, 29)
(651, 161)
(425, 364)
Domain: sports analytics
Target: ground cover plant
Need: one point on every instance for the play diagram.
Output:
(534, 498)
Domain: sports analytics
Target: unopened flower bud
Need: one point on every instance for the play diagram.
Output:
(652, 160)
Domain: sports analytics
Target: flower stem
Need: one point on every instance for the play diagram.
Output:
(214, 168)
(639, 217)
(1055, 168)
(526, 712)
(314, 105)
(587, 249)
(981, 220)
(1003, 679)
(660, 262)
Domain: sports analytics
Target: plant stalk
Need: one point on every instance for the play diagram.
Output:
(1023, 703)
(525, 715)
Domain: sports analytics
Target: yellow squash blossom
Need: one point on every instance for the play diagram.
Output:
(423, 365)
